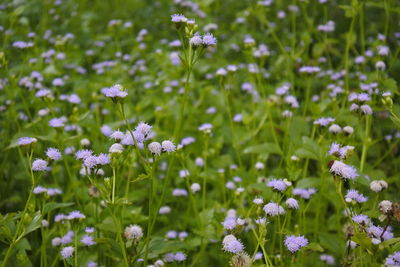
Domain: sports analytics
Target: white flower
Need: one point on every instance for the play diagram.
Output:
(116, 148)
(385, 206)
(378, 186)
(133, 232)
(155, 148)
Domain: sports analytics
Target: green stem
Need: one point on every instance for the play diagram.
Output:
(149, 221)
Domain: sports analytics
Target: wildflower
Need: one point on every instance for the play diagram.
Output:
(90, 162)
(67, 252)
(378, 185)
(106, 130)
(206, 127)
(348, 130)
(155, 148)
(304, 193)
(83, 154)
(76, 214)
(334, 128)
(353, 195)
(53, 191)
(179, 192)
(240, 260)
(168, 146)
(25, 141)
(143, 129)
(53, 153)
(393, 260)
(209, 40)
(39, 165)
(179, 256)
(164, 210)
(258, 201)
(366, 109)
(178, 18)
(328, 259)
(87, 240)
(196, 40)
(277, 184)
(39, 190)
(361, 219)
(115, 92)
(102, 159)
(159, 263)
(133, 232)
(385, 206)
(273, 209)
(324, 121)
(343, 170)
(117, 135)
(292, 203)
(231, 244)
(195, 187)
(116, 148)
(57, 122)
(295, 243)
(229, 223)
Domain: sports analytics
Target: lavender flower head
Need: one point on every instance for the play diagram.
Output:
(277, 184)
(115, 92)
(209, 39)
(353, 195)
(53, 153)
(39, 165)
(343, 170)
(232, 244)
(393, 260)
(24, 141)
(295, 243)
(273, 209)
(67, 252)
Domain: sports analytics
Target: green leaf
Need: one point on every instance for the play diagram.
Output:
(53, 205)
(315, 247)
(35, 223)
(332, 243)
(266, 148)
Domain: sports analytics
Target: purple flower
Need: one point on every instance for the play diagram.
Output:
(343, 170)
(304, 193)
(324, 121)
(277, 184)
(295, 243)
(88, 240)
(115, 92)
(76, 214)
(103, 159)
(273, 209)
(353, 195)
(83, 154)
(53, 153)
(209, 39)
(328, 259)
(57, 122)
(292, 203)
(361, 219)
(177, 18)
(168, 146)
(67, 252)
(232, 244)
(39, 165)
(393, 260)
(39, 190)
(24, 141)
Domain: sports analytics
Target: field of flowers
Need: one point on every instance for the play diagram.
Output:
(199, 133)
